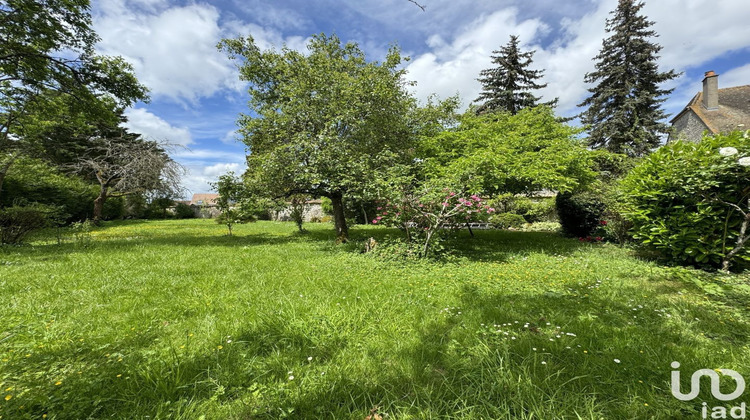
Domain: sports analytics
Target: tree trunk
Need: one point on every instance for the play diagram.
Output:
(339, 221)
(364, 213)
(741, 239)
(99, 205)
(4, 169)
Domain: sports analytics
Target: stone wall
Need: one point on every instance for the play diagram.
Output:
(312, 212)
(687, 127)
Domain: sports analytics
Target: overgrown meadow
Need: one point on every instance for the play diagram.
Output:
(174, 319)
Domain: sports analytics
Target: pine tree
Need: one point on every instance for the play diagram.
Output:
(624, 112)
(506, 87)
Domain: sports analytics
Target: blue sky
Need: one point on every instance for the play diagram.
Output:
(196, 94)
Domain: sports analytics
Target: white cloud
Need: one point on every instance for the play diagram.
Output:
(452, 67)
(208, 156)
(738, 76)
(154, 128)
(230, 137)
(691, 33)
(199, 178)
(173, 51)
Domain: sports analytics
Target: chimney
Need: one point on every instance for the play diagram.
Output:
(711, 90)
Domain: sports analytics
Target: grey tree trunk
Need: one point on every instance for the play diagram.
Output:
(99, 205)
(339, 220)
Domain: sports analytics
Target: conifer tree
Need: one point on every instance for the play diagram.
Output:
(507, 87)
(624, 113)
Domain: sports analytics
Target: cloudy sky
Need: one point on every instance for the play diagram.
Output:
(196, 95)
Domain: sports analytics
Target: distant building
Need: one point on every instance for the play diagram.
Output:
(204, 205)
(713, 110)
(204, 199)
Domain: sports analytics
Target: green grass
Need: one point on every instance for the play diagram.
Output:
(173, 319)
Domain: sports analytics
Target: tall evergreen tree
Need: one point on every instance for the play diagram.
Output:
(507, 87)
(624, 112)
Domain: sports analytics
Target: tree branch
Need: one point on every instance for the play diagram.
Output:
(417, 4)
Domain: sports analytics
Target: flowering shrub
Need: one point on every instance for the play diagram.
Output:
(689, 201)
(422, 215)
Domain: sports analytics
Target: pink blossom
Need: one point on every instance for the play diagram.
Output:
(379, 217)
(385, 213)
(379, 208)
(374, 221)
(452, 194)
(445, 204)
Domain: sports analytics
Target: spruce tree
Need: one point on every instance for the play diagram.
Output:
(624, 112)
(507, 87)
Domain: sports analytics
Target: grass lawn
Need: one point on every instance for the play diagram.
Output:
(173, 319)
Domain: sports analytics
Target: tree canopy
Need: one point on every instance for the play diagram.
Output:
(322, 123)
(50, 74)
(624, 113)
(122, 164)
(503, 153)
(508, 86)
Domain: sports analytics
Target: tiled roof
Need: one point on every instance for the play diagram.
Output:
(204, 199)
(733, 112)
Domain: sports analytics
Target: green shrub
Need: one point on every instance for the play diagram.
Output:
(580, 214)
(542, 227)
(114, 208)
(532, 209)
(183, 211)
(507, 220)
(82, 233)
(17, 221)
(686, 199)
(33, 180)
(541, 210)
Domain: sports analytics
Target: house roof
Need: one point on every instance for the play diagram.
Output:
(733, 112)
(204, 199)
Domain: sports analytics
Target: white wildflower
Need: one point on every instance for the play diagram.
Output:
(744, 161)
(617, 360)
(727, 151)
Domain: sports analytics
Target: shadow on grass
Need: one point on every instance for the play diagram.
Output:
(485, 245)
(456, 365)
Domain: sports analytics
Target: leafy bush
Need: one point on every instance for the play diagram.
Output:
(580, 213)
(35, 181)
(542, 227)
(688, 201)
(532, 210)
(82, 233)
(397, 249)
(114, 208)
(17, 222)
(158, 208)
(183, 211)
(507, 220)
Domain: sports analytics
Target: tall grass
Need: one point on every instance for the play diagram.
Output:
(173, 319)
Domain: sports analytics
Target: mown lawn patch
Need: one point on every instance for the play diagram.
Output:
(173, 319)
